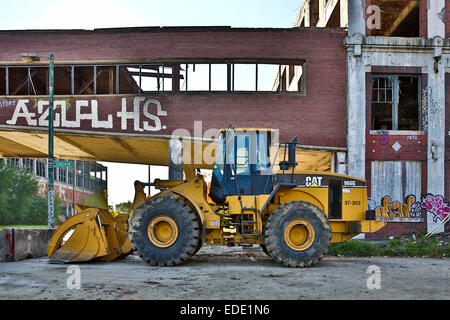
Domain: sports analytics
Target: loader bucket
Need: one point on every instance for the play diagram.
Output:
(90, 234)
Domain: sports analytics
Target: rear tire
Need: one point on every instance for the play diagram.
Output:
(165, 231)
(297, 234)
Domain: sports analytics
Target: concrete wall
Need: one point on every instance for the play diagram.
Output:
(20, 244)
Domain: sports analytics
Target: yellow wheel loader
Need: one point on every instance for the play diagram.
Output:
(252, 200)
(293, 215)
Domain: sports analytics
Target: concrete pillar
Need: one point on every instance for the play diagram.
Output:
(175, 160)
(356, 107)
(436, 18)
(356, 17)
(435, 93)
(341, 166)
(356, 96)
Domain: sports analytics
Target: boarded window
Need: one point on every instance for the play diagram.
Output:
(396, 179)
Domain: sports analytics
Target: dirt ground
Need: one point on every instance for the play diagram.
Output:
(227, 273)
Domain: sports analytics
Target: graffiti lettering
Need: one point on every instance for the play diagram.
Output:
(388, 210)
(7, 103)
(384, 137)
(87, 115)
(436, 205)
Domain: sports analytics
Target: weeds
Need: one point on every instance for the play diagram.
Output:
(418, 247)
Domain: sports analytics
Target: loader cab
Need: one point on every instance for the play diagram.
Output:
(242, 164)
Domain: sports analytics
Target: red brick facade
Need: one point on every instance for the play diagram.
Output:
(317, 118)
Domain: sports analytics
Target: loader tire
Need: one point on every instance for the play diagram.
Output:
(297, 234)
(178, 235)
(264, 248)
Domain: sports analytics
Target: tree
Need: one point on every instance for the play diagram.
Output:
(126, 207)
(20, 202)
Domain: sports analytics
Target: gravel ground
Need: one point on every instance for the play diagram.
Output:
(227, 273)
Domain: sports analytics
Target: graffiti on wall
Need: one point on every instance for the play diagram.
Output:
(410, 210)
(143, 113)
(429, 106)
(384, 137)
(436, 205)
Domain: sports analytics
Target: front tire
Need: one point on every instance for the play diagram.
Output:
(297, 234)
(165, 231)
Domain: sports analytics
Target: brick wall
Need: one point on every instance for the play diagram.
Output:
(423, 18)
(318, 118)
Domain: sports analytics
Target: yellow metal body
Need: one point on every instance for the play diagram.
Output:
(90, 234)
(217, 220)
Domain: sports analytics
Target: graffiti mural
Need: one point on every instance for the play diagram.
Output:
(409, 210)
(436, 205)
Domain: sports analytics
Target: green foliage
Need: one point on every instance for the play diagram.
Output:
(38, 212)
(20, 202)
(421, 247)
(98, 200)
(354, 248)
(126, 207)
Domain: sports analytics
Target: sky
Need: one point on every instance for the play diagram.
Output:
(83, 14)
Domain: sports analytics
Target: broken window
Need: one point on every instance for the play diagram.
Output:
(3, 90)
(267, 73)
(28, 165)
(27, 81)
(70, 177)
(84, 80)
(395, 102)
(219, 72)
(106, 79)
(157, 77)
(62, 174)
(62, 80)
(40, 168)
(292, 78)
(244, 77)
(199, 77)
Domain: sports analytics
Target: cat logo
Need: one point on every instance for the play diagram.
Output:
(313, 181)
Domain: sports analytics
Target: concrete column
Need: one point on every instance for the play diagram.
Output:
(436, 18)
(356, 107)
(435, 93)
(356, 84)
(356, 17)
(340, 163)
(175, 160)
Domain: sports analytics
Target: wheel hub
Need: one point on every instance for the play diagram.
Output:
(162, 231)
(299, 235)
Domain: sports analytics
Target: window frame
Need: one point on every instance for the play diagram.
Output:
(394, 77)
